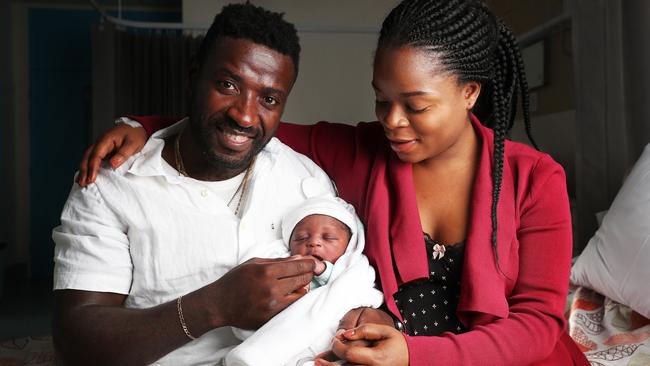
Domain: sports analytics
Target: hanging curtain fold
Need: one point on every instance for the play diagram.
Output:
(140, 71)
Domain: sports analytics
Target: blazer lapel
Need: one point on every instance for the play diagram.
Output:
(408, 247)
(483, 286)
(393, 226)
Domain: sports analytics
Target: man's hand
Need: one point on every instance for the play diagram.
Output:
(89, 326)
(120, 142)
(253, 292)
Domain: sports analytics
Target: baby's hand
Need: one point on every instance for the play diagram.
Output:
(320, 267)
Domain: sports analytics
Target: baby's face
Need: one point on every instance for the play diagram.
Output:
(321, 236)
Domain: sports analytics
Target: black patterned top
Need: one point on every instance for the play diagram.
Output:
(428, 307)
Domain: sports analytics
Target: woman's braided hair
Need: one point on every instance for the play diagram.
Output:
(468, 41)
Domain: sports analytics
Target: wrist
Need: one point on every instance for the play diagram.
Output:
(181, 318)
(200, 316)
(397, 324)
(215, 318)
(392, 319)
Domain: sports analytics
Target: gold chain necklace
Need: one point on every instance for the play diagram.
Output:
(241, 188)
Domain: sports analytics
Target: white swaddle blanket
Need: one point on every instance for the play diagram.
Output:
(305, 329)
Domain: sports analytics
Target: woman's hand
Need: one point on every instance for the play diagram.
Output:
(370, 349)
(120, 142)
(387, 346)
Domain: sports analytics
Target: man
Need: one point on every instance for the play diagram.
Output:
(144, 257)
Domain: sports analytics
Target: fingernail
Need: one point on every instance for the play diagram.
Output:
(115, 162)
(349, 332)
(339, 332)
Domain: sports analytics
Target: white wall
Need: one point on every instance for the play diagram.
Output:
(336, 62)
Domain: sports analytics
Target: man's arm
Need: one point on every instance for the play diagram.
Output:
(95, 328)
(93, 254)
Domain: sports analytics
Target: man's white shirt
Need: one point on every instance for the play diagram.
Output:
(147, 232)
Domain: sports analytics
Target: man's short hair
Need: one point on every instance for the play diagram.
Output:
(256, 24)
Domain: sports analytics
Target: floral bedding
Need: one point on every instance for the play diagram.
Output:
(609, 333)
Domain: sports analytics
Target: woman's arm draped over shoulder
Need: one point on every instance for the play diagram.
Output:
(330, 145)
(325, 143)
(152, 124)
(535, 322)
(119, 143)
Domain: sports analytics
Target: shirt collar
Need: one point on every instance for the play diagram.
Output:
(149, 162)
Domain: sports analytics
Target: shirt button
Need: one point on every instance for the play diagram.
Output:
(204, 193)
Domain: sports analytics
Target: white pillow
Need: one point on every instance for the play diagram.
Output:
(616, 261)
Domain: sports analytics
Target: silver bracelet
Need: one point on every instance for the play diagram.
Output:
(179, 308)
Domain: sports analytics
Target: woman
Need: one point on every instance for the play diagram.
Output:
(470, 234)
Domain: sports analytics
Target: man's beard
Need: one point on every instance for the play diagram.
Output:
(204, 127)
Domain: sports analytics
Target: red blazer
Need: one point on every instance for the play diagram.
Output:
(513, 320)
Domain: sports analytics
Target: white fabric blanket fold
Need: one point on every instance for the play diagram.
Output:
(305, 329)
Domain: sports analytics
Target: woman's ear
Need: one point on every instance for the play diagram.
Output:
(471, 91)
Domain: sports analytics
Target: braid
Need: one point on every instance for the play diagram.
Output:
(517, 69)
(500, 125)
(470, 42)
